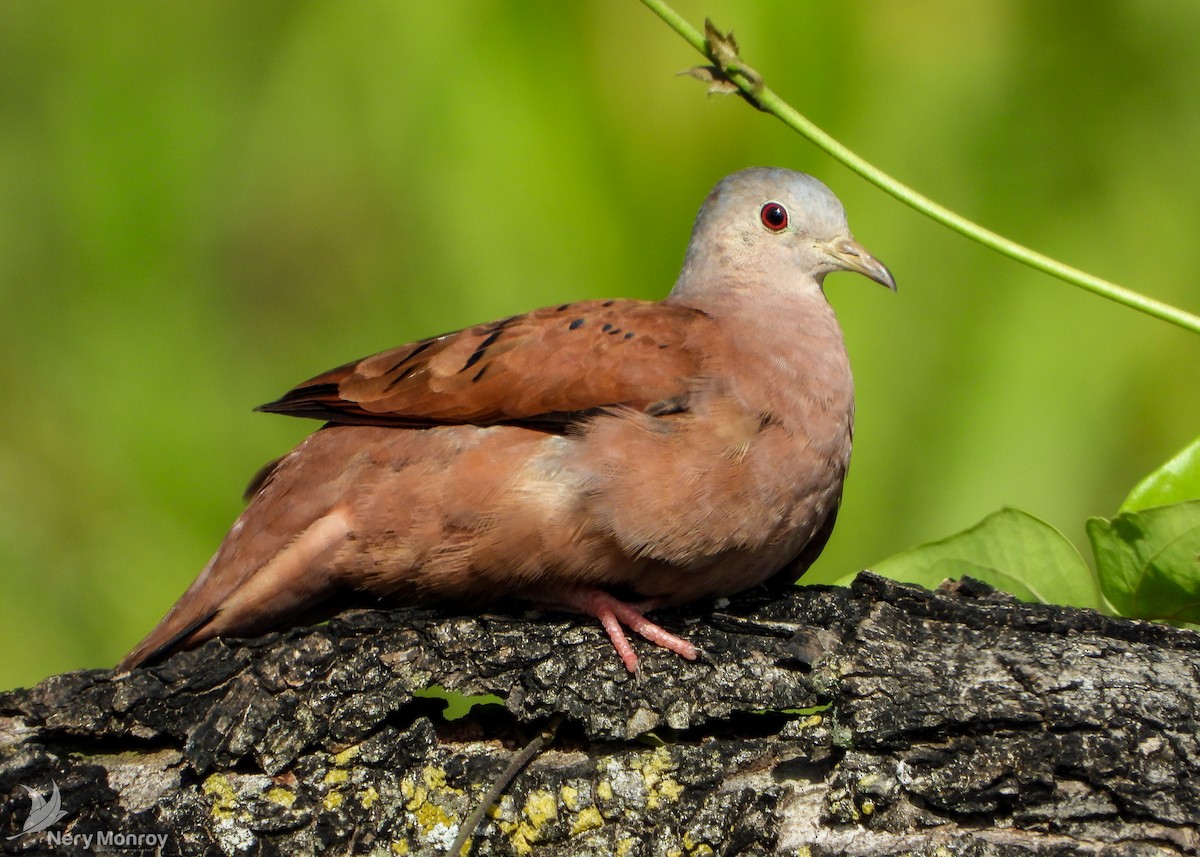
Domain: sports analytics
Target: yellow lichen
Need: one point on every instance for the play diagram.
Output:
(281, 796)
(222, 790)
(348, 755)
(671, 789)
(400, 848)
(589, 819)
(625, 847)
(570, 797)
(225, 809)
(518, 836)
(430, 815)
(225, 800)
(418, 797)
(333, 800)
(655, 768)
(433, 777)
(368, 797)
(604, 790)
(868, 807)
(540, 808)
(421, 800)
(336, 776)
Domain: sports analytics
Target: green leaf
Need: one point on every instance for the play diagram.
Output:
(1149, 561)
(1176, 481)
(1011, 550)
(458, 705)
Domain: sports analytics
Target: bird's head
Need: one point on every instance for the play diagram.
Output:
(773, 225)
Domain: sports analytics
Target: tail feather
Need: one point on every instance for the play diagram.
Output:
(191, 612)
(163, 640)
(235, 598)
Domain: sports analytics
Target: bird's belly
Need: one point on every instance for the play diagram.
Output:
(714, 513)
(666, 509)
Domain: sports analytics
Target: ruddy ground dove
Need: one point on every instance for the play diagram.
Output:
(607, 457)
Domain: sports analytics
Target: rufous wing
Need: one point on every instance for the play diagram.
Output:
(544, 367)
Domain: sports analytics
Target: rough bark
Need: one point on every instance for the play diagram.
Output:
(883, 719)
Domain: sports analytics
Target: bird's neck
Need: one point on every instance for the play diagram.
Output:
(792, 339)
(769, 318)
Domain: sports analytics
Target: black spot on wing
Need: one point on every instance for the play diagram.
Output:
(482, 349)
(576, 324)
(421, 347)
(400, 378)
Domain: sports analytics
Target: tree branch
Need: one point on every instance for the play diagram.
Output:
(881, 719)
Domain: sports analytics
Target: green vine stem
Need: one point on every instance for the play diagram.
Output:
(728, 67)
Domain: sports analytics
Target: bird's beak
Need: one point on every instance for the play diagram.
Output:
(846, 254)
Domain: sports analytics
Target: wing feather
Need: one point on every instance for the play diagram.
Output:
(544, 367)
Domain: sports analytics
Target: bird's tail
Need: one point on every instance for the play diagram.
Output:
(238, 596)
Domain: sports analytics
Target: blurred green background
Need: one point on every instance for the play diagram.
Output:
(202, 204)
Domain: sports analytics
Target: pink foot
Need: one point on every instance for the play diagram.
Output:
(613, 613)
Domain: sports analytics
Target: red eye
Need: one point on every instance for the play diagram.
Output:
(774, 216)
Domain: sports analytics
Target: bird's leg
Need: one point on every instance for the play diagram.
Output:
(613, 613)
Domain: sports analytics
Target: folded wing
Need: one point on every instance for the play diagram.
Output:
(544, 368)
